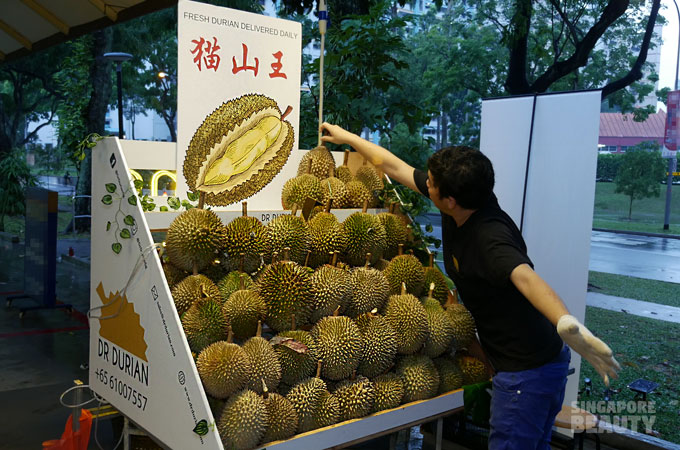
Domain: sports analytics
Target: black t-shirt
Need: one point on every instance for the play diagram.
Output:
(479, 257)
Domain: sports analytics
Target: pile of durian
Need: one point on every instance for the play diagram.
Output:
(353, 324)
(320, 180)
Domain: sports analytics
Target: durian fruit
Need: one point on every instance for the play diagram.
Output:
(405, 269)
(408, 319)
(296, 191)
(357, 194)
(238, 149)
(420, 377)
(224, 368)
(245, 241)
(463, 324)
(369, 290)
(194, 238)
(190, 289)
(306, 398)
(371, 179)
(243, 421)
(389, 391)
(318, 161)
(396, 232)
(282, 420)
(264, 363)
(204, 323)
(326, 236)
(244, 309)
(290, 231)
(328, 412)
(214, 271)
(365, 234)
(337, 345)
(474, 370)
(381, 264)
(330, 288)
(440, 327)
(294, 349)
(450, 375)
(286, 289)
(356, 397)
(231, 283)
(334, 190)
(343, 173)
(432, 274)
(173, 274)
(379, 344)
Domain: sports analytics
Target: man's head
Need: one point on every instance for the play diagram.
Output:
(464, 174)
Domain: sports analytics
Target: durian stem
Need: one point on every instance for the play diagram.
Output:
(431, 260)
(346, 157)
(275, 257)
(286, 253)
(401, 249)
(293, 210)
(244, 209)
(403, 288)
(336, 313)
(365, 207)
(334, 258)
(194, 269)
(286, 112)
(292, 322)
(318, 369)
(392, 207)
(265, 390)
(331, 171)
(241, 281)
(309, 166)
(258, 333)
(431, 293)
(309, 252)
(368, 260)
(230, 334)
(201, 200)
(241, 262)
(328, 205)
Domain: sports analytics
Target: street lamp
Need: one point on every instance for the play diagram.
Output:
(119, 58)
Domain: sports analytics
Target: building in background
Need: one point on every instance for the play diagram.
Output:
(619, 132)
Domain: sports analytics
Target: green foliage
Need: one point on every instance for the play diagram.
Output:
(640, 173)
(410, 147)
(16, 177)
(607, 166)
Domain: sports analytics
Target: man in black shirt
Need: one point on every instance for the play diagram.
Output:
(521, 321)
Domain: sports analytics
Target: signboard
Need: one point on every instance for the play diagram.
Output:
(139, 358)
(238, 101)
(672, 133)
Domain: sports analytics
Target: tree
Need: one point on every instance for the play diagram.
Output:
(16, 176)
(640, 173)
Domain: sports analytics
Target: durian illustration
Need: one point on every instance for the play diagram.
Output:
(238, 149)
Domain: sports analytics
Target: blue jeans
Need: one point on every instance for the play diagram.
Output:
(524, 405)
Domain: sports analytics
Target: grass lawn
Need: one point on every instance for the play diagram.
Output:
(645, 348)
(15, 225)
(611, 210)
(636, 288)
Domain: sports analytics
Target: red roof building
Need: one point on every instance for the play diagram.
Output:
(619, 131)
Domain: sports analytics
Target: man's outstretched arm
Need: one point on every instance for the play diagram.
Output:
(380, 157)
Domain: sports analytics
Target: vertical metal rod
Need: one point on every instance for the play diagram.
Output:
(321, 57)
(119, 75)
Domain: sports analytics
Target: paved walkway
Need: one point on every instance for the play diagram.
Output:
(636, 307)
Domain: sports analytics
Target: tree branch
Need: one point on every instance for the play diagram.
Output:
(517, 42)
(573, 31)
(635, 72)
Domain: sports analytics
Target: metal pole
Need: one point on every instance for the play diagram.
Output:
(119, 75)
(671, 161)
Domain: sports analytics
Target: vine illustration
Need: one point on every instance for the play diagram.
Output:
(128, 227)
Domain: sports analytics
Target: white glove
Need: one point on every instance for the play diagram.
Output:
(582, 341)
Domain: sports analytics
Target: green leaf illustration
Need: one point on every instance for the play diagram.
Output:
(139, 184)
(125, 233)
(174, 203)
(132, 200)
(129, 220)
(192, 196)
(107, 199)
(201, 427)
(111, 187)
(108, 226)
(164, 209)
(117, 247)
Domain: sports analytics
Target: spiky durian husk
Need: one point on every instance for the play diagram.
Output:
(441, 289)
(204, 323)
(296, 191)
(357, 194)
(190, 289)
(306, 397)
(463, 324)
(389, 391)
(420, 377)
(328, 412)
(286, 289)
(224, 369)
(343, 173)
(231, 283)
(326, 235)
(287, 231)
(440, 328)
(365, 234)
(243, 421)
(322, 162)
(194, 238)
(296, 366)
(264, 364)
(473, 370)
(173, 274)
(379, 345)
(408, 319)
(223, 121)
(355, 397)
(405, 269)
(334, 189)
(244, 235)
(337, 343)
(330, 289)
(369, 290)
(243, 309)
(450, 375)
(396, 232)
(369, 177)
(282, 418)
(316, 210)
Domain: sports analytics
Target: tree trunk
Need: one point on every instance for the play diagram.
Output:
(445, 130)
(630, 207)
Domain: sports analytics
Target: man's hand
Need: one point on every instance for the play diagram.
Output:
(335, 134)
(582, 341)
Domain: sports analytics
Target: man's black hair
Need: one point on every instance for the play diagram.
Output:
(463, 173)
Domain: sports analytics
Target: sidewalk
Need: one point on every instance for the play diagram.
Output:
(635, 307)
